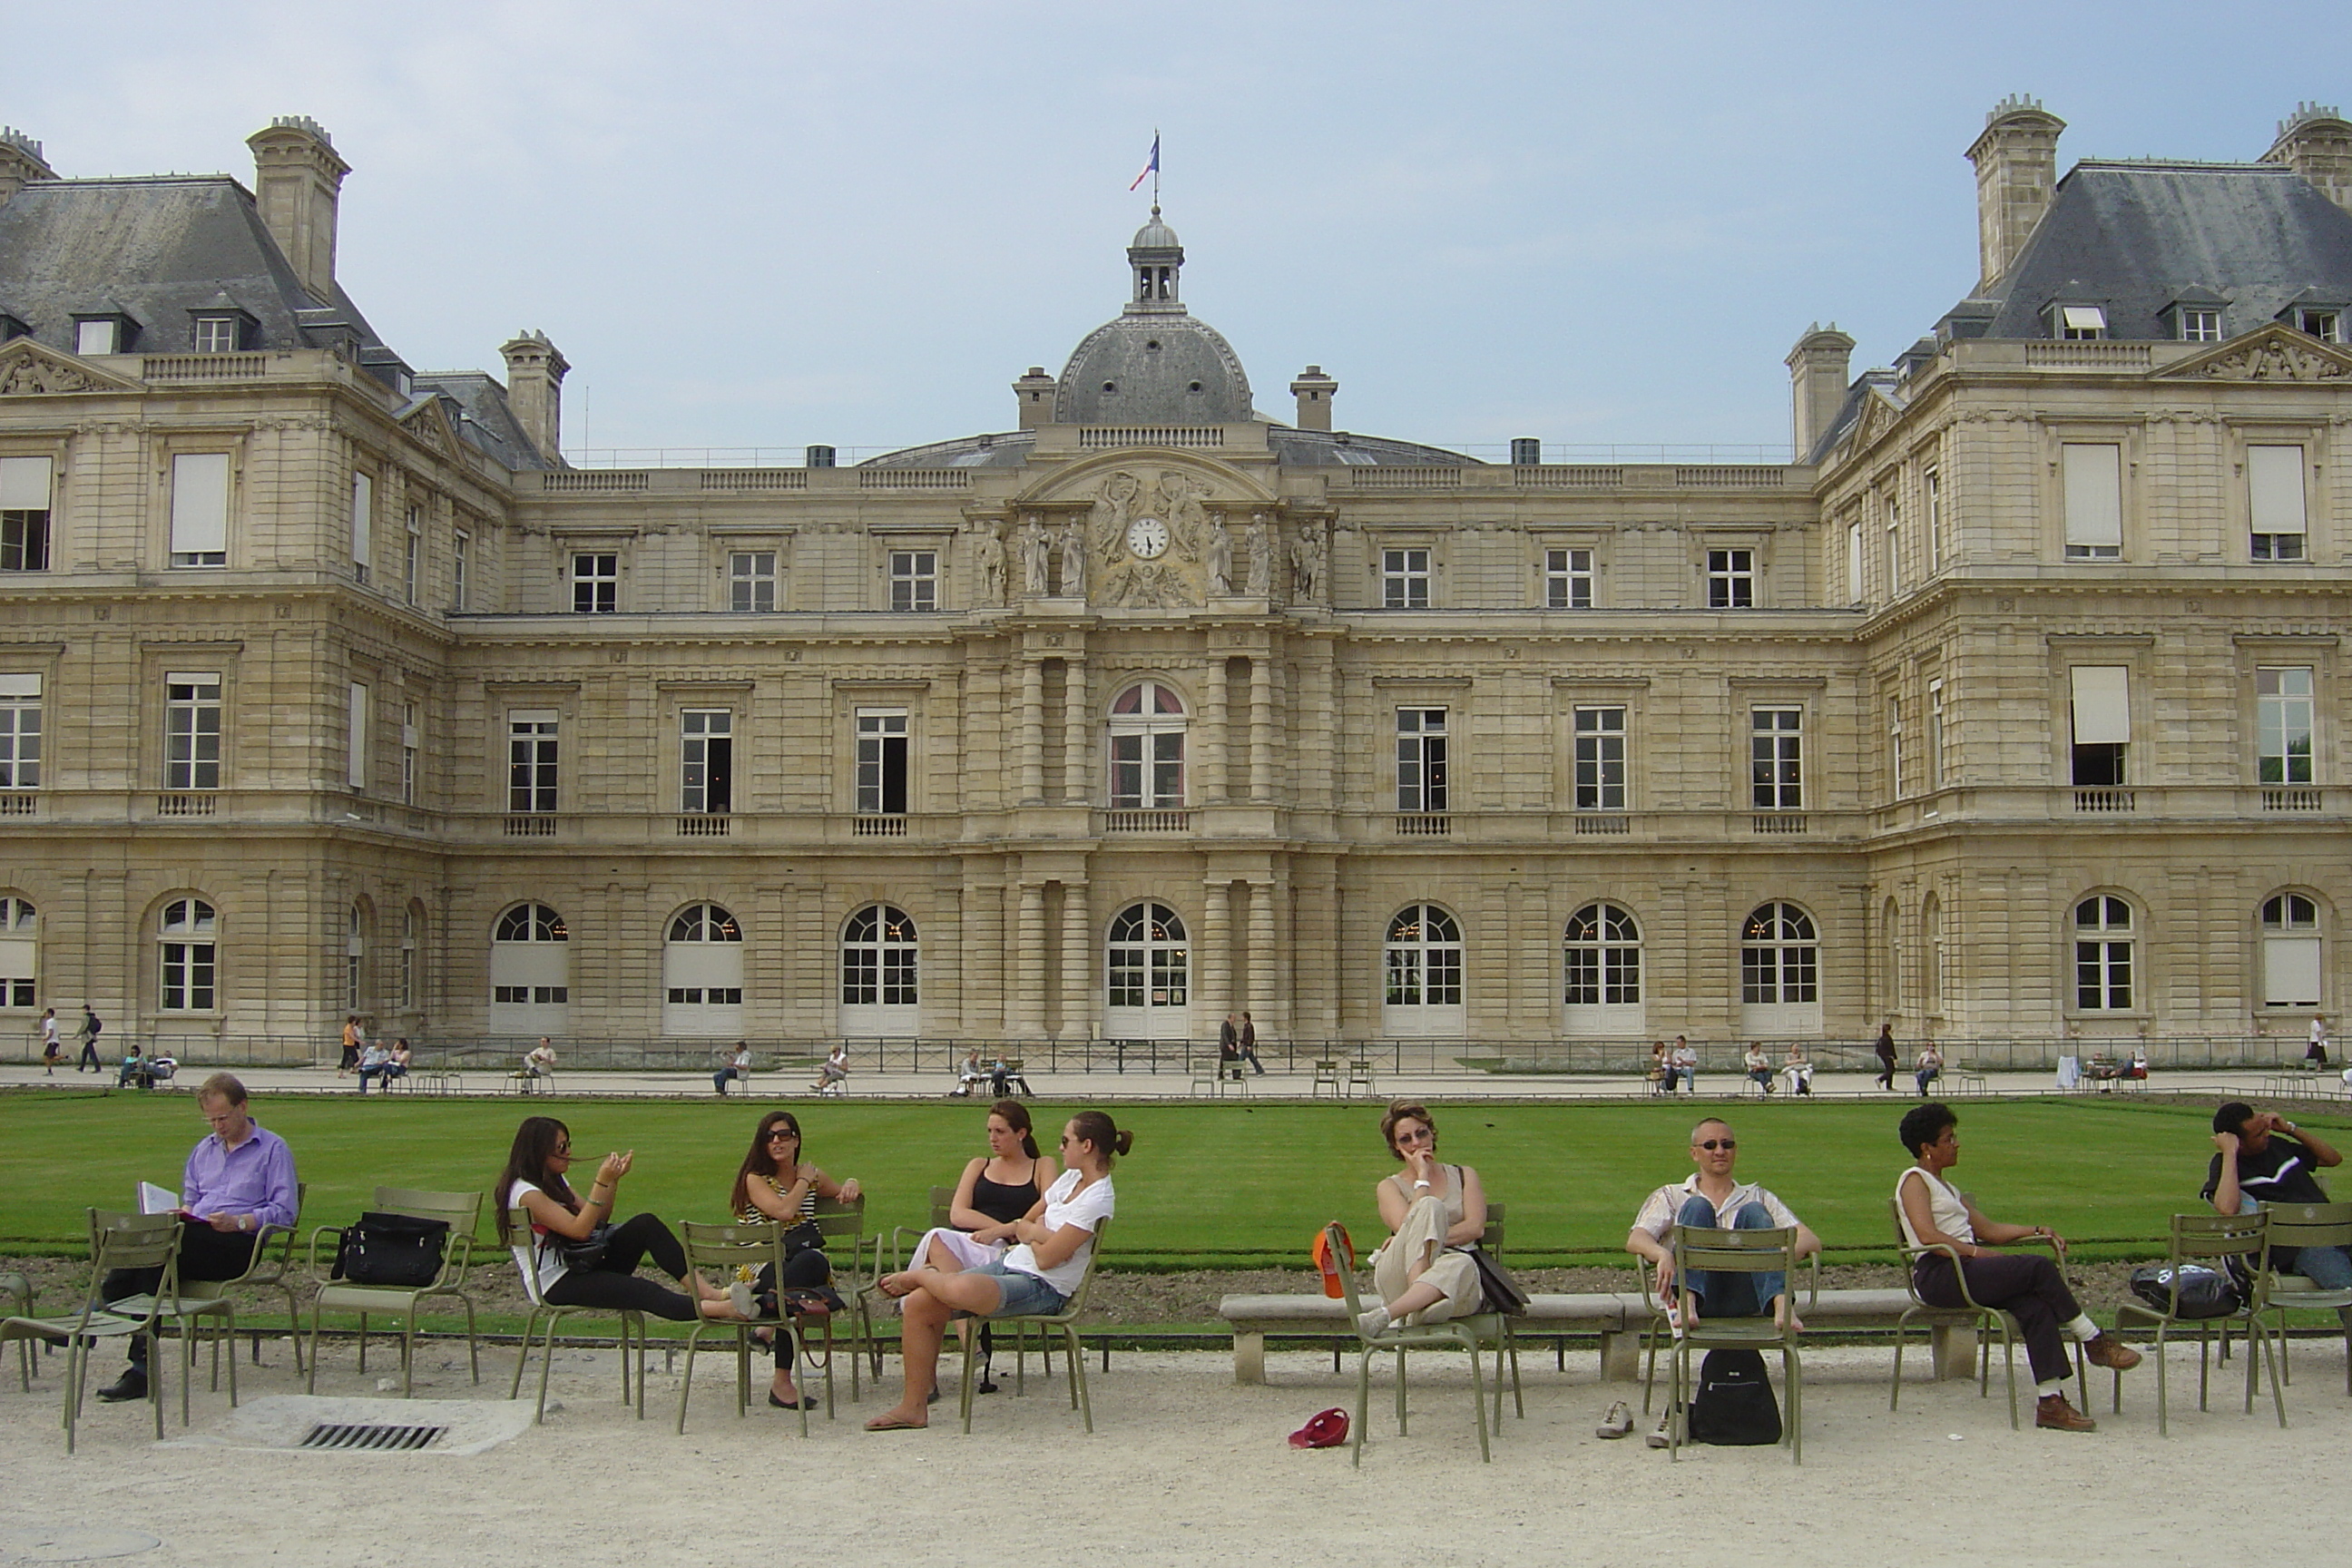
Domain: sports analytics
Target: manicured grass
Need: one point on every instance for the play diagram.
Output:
(1208, 1186)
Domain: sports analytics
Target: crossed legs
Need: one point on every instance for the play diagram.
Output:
(932, 1295)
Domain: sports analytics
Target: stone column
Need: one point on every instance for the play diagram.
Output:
(1028, 1009)
(1077, 970)
(1261, 729)
(1264, 998)
(1032, 731)
(1217, 948)
(1210, 784)
(1076, 755)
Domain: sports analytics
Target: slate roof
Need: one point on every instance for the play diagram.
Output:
(483, 419)
(1298, 448)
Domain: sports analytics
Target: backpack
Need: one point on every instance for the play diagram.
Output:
(391, 1249)
(1733, 1405)
(2205, 1291)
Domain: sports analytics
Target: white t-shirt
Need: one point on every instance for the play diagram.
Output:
(1946, 1212)
(49, 1033)
(1086, 1210)
(1657, 1213)
(544, 1264)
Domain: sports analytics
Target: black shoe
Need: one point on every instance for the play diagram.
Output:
(132, 1384)
(808, 1402)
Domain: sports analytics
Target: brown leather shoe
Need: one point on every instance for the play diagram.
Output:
(2052, 1412)
(2110, 1353)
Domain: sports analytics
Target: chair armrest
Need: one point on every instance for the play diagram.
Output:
(316, 1274)
(1813, 1281)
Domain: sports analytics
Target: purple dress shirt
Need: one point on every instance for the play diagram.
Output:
(257, 1177)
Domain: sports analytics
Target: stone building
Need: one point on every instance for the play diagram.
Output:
(2008, 709)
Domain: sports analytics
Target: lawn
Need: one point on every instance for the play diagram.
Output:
(1208, 1186)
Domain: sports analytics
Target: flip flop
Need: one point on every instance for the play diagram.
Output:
(892, 1424)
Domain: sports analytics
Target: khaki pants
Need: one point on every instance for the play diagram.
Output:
(1423, 1235)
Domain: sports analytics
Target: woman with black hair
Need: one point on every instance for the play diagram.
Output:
(534, 1180)
(773, 1184)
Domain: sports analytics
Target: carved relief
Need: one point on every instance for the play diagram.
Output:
(1073, 560)
(28, 370)
(1031, 543)
(2274, 359)
(1220, 560)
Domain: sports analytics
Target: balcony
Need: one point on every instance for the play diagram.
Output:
(2105, 800)
(1146, 822)
(1425, 825)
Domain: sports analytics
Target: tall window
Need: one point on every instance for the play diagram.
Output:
(200, 509)
(1730, 579)
(410, 744)
(1895, 748)
(1776, 742)
(1600, 759)
(595, 584)
(1893, 514)
(354, 957)
(412, 560)
(2092, 475)
(1855, 591)
(530, 972)
(2101, 724)
(1149, 962)
(2103, 954)
(1935, 734)
(751, 579)
(20, 732)
(1779, 957)
(1931, 930)
(355, 736)
(192, 731)
(23, 514)
(914, 580)
(707, 737)
(1420, 769)
(1423, 964)
(461, 566)
(20, 953)
(1147, 748)
(878, 959)
(1568, 579)
(2291, 969)
(1931, 484)
(702, 969)
(189, 957)
(882, 760)
(2282, 725)
(1404, 579)
(1604, 958)
(530, 761)
(2275, 496)
(410, 937)
(362, 526)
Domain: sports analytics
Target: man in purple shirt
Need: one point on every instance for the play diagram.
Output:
(238, 1186)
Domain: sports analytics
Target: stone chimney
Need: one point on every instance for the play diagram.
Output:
(1315, 392)
(1034, 395)
(297, 180)
(535, 371)
(1817, 384)
(2017, 169)
(21, 162)
(2315, 142)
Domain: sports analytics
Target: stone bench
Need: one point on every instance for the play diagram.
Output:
(1617, 1320)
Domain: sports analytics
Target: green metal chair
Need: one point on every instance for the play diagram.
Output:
(271, 1269)
(2300, 1226)
(1066, 1323)
(117, 1241)
(2214, 1240)
(463, 1212)
(857, 1259)
(548, 1315)
(1471, 1334)
(1717, 1251)
(723, 1249)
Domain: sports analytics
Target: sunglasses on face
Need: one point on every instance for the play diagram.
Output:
(776, 1133)
(1712, 1144)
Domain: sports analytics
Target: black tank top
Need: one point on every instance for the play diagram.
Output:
(1002, 1202)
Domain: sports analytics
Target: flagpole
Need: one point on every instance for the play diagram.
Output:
(1155, 168)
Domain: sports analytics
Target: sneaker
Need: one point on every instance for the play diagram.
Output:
(2054, 1412)
(1662, 1436)
(740, 1295)
(1618, 1423)
(2110, 1353)
(1373, 1320)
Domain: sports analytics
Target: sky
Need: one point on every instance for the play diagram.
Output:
(755, 226)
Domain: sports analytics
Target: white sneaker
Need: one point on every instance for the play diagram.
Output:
(1373, 1320)
(746, 1304)
(1618, 1423)
(1664, 1435)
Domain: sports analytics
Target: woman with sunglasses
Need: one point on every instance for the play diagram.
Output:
(535, 1181)
(773, 1184)
(1053, 1245)
(1434, 1212)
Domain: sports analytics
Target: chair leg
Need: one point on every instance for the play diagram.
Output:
(546, 1364)
(1079, 1376)
(963, 1404)
(1478, 1401)
(529, 1327)
(1363, 1403)
(1895, 1391)
(1792, 1374)
(311, 1385)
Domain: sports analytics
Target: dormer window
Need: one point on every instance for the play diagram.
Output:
(2199, 326)
(216, 335)
(104, 334)
(11, 327)
(2082, 323)
(2324, 323)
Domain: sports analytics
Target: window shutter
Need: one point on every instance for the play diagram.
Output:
(2101, 704)
(24, 484)
(2274, 487)
(200, 503)
(2095, 489)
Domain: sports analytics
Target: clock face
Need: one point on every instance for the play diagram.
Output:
(1148, 538)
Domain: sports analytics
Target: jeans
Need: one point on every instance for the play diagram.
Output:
(1926, 1075)
(1727, 1295)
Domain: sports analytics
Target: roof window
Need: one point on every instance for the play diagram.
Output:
(106, 333)
(2324, 323)
(2081, 322)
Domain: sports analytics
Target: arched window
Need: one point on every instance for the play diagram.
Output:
(703, 972)
(20, 952)
(1147, 748)
(190, 960)
(1604, 957)
(1779, 957)
(530, 971)
(878, 959)
(2103, 954)
(1425, 958)
(2291, 966)
(1149, 962)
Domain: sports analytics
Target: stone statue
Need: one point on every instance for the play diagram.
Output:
(988, 554)
(1073, 560)
(1220, 560)
(1107, 519)
(1032, 545)
(1260, 549)
(1188, 520)
(1306, 559)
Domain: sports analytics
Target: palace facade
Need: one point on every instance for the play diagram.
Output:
(2010, 707)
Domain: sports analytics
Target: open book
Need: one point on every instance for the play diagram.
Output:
(154, 1199)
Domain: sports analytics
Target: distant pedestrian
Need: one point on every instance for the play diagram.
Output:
(354, 1042)
(88, 1035)
(1929, 1067)
(1885, 1049)
(2316, 1052)
(51, 1051)
(1249, 1044)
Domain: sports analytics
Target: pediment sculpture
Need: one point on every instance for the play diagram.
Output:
(26, 369)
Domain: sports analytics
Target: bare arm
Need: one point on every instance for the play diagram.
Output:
(2225, 1188)
(2322, 1153)
(831, 1190)
(784, 1206)
(594, 1210)
(1923, 1225)
(960, 1214)
(1473, 1223)
(1808, 1242)
(1392, 1202)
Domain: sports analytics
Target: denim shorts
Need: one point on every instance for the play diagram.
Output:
(1025, 1295)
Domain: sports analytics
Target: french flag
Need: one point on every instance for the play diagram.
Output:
(1150, 168)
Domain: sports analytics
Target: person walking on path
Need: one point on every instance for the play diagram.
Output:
(88, 1035)
(354, 1042)
(1885, 1049)
(1249, 1044)
(51, 1051)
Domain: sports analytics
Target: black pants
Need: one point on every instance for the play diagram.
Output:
(1886, 1072)
(2025, 1285)
(89, 1057)
(204, 1254)
(613, 1282)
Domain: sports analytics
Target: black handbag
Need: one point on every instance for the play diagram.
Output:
(391, 1249)
(1501, 1291)
(588, 1252)
(806, 1237)
(1733, 1405)
(2205, 1293)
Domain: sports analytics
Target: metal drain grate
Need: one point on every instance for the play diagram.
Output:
(373, 1437)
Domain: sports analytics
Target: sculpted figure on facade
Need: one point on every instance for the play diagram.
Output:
(1107, 519)
(1220, 560)
(1260, 549)
(988, 553)
(1034, 575)
(1306, 559)
(1073, 560)
(1181, 507)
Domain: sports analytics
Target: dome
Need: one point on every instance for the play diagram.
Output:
(1155, 235)
(1153, 369)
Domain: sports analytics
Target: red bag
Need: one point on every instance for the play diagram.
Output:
(1329, 1266)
